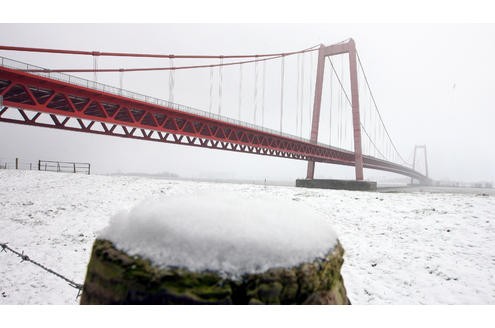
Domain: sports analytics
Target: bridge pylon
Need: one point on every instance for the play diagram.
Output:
(416, 148)
(348, 47)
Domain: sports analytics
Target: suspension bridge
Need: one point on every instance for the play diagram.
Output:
(284, 117)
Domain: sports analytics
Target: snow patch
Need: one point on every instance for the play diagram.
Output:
(228, 233)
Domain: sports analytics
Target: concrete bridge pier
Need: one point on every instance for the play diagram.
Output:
(337, 184)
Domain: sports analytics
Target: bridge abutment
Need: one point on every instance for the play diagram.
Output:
(337, 184)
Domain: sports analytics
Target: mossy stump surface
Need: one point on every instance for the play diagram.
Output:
(113, 277)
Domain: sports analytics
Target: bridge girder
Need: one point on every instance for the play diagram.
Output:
(77, 108)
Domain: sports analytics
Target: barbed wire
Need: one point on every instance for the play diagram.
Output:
(25, 258)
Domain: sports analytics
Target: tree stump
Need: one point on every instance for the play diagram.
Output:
(114, 277)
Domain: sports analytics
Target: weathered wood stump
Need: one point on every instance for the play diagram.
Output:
(113, 277)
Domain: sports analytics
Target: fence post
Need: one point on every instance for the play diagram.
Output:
(30, 166)
(16, 163)
(39, 165)
(89, 168)
(58, 167)
(74, 167)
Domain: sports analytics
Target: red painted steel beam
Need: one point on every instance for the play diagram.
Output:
(75, 108)
(150, 135)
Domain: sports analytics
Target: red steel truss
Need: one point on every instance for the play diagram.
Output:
(44, 102)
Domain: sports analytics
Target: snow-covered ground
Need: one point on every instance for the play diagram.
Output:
(401, 248)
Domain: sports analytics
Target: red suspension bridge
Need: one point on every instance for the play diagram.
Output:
(50, 98)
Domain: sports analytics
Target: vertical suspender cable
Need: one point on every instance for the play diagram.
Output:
(282, 91)
(330, 111)
(298, 90)
(378, 137)
(362, 115)
(211, 89)
(302, 96)
(171, 81)
(375, 134)
(220, 86)
(95, 67)
(240, 92)
(340, 114)
(389, 156)
(375, 138)
(344, 116)
(369, 114)
(381, 139)
(255, 90)
(263, 96)
(310, 98)
(121, 80)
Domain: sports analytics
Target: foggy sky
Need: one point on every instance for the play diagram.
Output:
(433, 84)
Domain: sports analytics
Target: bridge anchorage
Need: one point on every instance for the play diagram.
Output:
(41, 97)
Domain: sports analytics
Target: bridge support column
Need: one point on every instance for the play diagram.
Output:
(348, 47)
(316, 107)
(356, 121)
(414, 159)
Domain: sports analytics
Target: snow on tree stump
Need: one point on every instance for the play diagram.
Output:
(113, 277)
(217, 248)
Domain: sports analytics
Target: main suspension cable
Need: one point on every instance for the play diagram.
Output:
(350, 103)
(376, 107)
(141, 69)
(125, 54)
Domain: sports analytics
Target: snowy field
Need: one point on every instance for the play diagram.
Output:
(401, 248)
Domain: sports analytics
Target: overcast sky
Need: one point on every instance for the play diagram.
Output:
(434, 85)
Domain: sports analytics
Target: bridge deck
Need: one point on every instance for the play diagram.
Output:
(76, 104)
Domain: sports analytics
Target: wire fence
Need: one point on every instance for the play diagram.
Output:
(44, 165)
(68, 167)
(25, 258)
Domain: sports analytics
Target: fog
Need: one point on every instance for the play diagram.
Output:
(434, 85)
